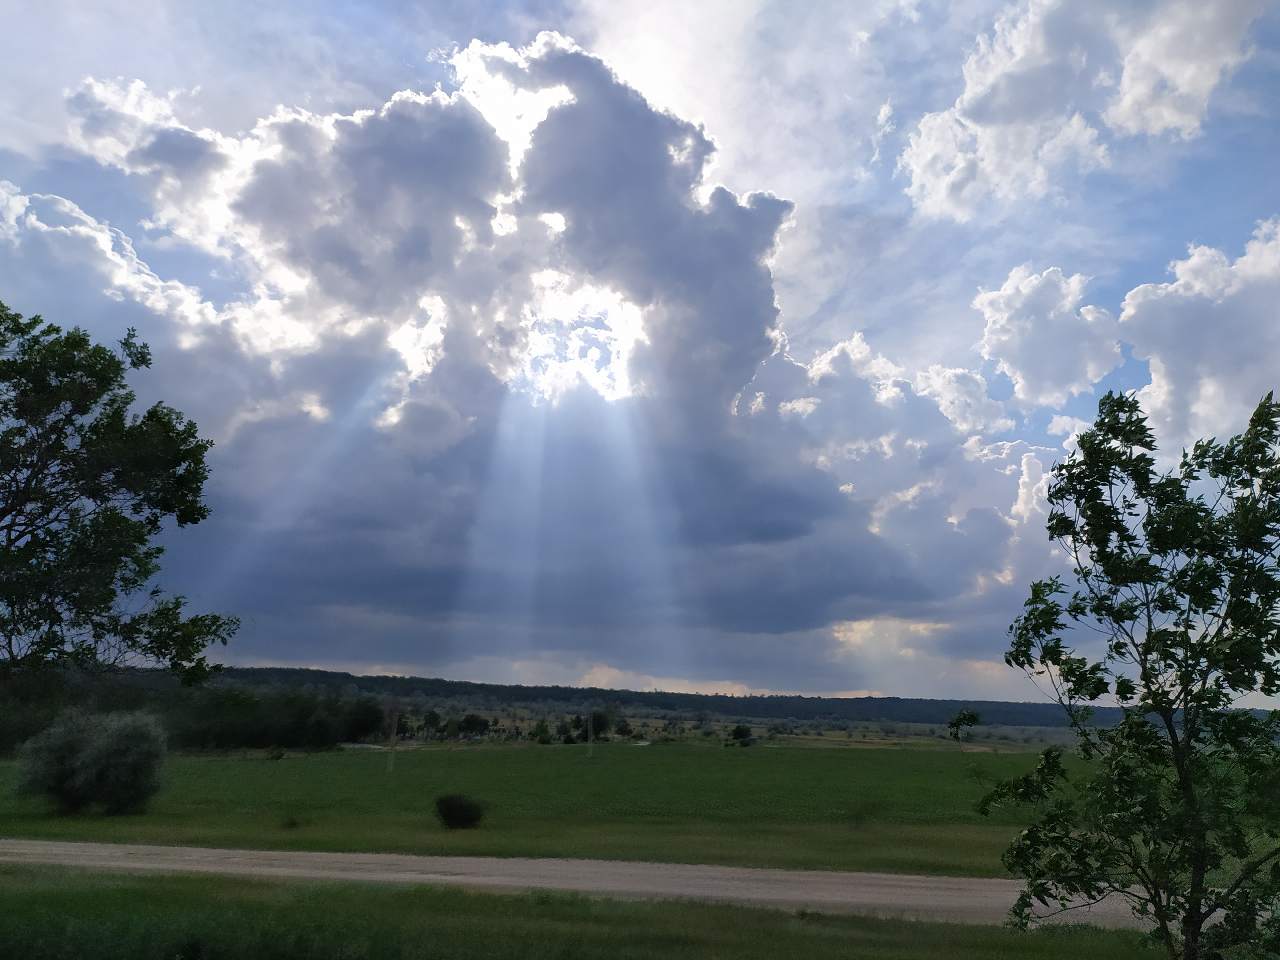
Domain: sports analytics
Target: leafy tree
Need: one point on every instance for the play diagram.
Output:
(111, 760)
(1176, 808)
(541, 732)
(430, 722)
(473, 725)
(740, 732)
(85, 487)
(961, 722)
(601, 723)
(364, 718)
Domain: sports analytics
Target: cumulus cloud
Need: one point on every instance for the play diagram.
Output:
(401, 465)
(962, 397)
(1175, 62)
(1210, 337)
(1043, 339)
(1051, 80)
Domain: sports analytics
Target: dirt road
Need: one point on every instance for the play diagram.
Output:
(878, 894)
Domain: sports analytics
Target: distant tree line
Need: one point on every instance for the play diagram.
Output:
(576, 699)
(248, 708)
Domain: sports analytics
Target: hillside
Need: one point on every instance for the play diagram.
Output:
(891, 709)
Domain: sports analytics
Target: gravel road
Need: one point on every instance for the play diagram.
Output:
(953, 899)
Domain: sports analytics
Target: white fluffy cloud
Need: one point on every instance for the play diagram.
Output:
(962, 397)
(1175, 61)
(1041, 337)
(1211, 338)
(1044, 85)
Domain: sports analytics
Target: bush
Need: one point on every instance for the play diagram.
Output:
(111, 761)
(457, 811)
(473, 725)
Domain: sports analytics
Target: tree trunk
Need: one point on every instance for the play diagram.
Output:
(1191, 925)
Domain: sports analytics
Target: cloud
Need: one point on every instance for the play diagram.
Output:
(1210, 337)
(1040, 336)
(540, 374)
(1050, 86)
(962, 397)
(1172, 67)
(392, 468)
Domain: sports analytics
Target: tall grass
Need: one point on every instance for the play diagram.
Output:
(48, 914)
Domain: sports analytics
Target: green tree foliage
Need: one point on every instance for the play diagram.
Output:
(473, 725)
(601, 723)
(85, 487)
(960, 723)
(1175, 615)
(541, 732)
(110, 760)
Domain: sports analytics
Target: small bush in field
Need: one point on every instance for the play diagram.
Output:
(111, 761)
(457, 811)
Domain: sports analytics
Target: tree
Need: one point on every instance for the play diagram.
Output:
(601, 723)
(961, 722)
(541, 732)
(85, 488)
(1175, 808)
(111, 760)
(473, 725)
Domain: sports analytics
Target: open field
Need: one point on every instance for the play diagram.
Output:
(54, 914)
(907, 811)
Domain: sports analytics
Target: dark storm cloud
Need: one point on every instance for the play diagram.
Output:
(624, 176)
(674, 530)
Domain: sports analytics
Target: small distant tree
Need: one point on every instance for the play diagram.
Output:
(601, 723)
(430, 723)
(741, 732)
(1177, 808)
(959, 725)
(473, 725)
(85, 488)
(623, 728)
(541, 732)
(364, 717)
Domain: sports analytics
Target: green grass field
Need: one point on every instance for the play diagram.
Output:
(902, 810)
(65, 915)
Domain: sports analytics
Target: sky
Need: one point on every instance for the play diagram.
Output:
(717, 346)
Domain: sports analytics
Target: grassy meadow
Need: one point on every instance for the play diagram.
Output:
(52, 914)
(846, 808)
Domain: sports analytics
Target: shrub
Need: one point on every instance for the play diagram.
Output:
(111, 760)
(473, 725)
(457, 811)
